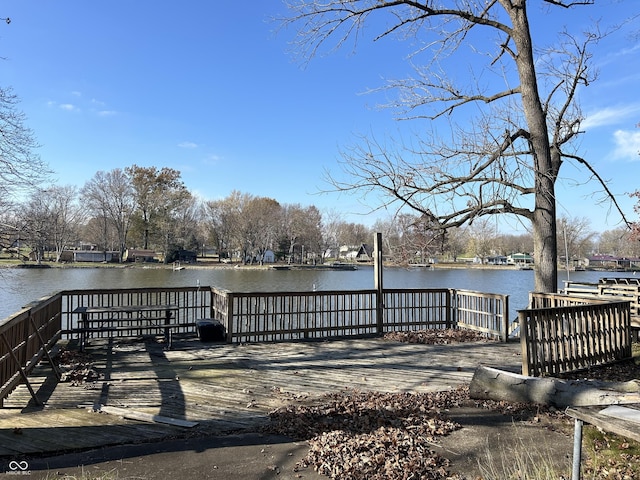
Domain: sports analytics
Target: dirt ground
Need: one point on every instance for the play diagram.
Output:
(470, 440)
(489, 444)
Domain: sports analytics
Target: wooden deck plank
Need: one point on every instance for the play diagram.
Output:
(222, 387)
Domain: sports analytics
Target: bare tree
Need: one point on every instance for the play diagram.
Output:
(65, 217)
(20, 168)
(109, 197)
(392, 229)
(260, 224)
(619, 242)
(302, 226)
(516, 243)
(35, 215)
(187, 232)
(481, 237)
(575, 234)
(353, 234)
(49, 220)
(521, 101)
(223, 216)
(454, 242)
(635, 226)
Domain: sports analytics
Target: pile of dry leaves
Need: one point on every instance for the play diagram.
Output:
(76, 367)
(371, 435)
(436, 337)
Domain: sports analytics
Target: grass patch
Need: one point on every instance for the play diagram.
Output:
(609, 456)
(521, 462)
(84, 475)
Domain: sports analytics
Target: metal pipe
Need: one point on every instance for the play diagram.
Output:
(577, 449)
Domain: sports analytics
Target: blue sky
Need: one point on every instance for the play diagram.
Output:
(210, 89)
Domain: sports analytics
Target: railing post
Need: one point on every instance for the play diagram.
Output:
(451, 314)
(505, 318)
(524, 342)
(377, 271)
(229, 317)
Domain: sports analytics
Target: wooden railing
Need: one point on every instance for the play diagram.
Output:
(415, 309)
(560, 333)
(486, 313)
(249, 317)
(610, 289)
(271, 316)
(277, 316)
(26, 337)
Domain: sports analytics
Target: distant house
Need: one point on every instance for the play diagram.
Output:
(497, 260)
(611, 262)
(364, 253)
(519, 259)
(268, 256)
(139, 255)
(92, 256)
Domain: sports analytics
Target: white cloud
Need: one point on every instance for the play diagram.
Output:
(611, 115)
(188, 145)
(627, 145)
(212, 159)
(107, 113)
(68, 107)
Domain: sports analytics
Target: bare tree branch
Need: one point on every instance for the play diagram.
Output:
(506, 153)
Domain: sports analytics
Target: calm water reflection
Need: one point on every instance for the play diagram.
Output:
(18, 287)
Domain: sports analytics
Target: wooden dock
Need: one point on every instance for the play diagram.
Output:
(199, 388)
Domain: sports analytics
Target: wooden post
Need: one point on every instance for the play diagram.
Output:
(524, 342)
(229, 317)
(505, 319)
(378, 285)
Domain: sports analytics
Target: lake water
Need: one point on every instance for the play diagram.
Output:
(19, 287)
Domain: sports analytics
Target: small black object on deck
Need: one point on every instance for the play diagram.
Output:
(211, 330)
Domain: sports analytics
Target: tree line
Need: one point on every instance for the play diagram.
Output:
(151, 208)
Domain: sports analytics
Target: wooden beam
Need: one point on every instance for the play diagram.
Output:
(146, 417)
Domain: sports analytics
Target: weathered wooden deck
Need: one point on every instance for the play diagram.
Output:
(222, 387)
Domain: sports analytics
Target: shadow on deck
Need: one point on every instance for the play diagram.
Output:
(221, 388)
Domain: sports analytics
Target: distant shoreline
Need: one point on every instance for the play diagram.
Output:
(214, 264)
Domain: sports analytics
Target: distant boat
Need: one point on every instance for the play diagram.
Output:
(416, 266)
(331, 266)
(343, 266)
(280, 267)
(524, 266)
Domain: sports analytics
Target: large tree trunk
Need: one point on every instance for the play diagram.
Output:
(493, 384)
(545, 246)
(545, 167)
